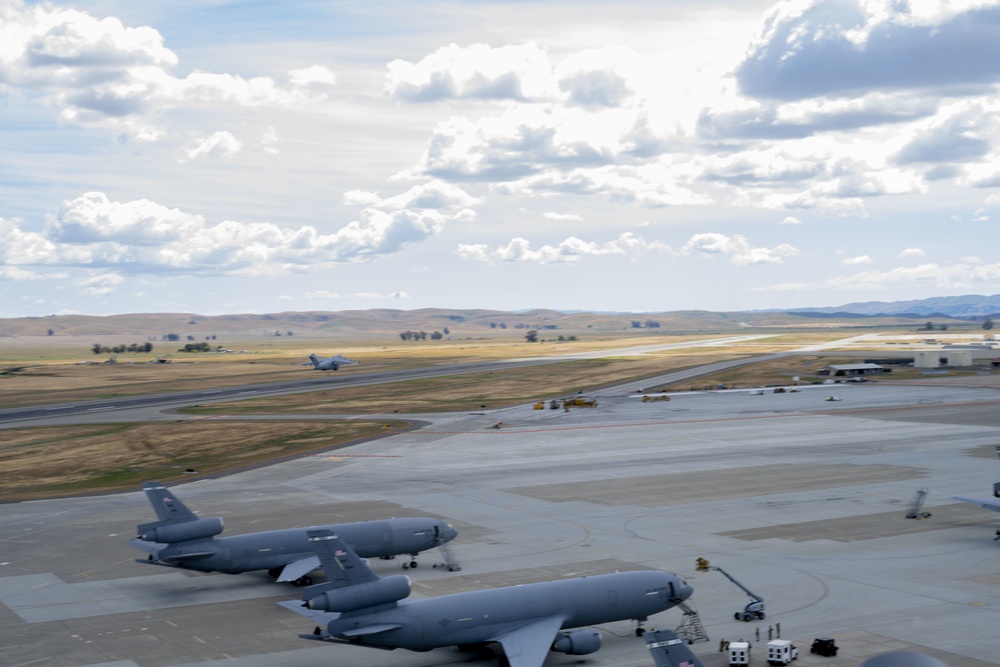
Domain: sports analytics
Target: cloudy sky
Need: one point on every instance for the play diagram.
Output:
(220, 156)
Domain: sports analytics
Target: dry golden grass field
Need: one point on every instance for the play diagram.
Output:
(472, 391)
(35, 375)
(66, 460)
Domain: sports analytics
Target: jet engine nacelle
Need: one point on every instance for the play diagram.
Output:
(182, 532)
(359, 596)
(578, 642)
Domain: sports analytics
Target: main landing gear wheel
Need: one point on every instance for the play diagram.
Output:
(303, 581)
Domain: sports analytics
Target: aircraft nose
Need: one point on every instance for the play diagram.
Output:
(448, 532)
(684, 589)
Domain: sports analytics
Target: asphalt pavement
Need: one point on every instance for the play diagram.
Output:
(802, 499)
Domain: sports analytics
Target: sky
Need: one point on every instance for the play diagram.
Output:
(216, 156)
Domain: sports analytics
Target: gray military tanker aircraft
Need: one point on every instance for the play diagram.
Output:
(180, 539)
(330, 363)
(360, 608)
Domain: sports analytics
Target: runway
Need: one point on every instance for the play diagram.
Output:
(803, 500)
(149, 407)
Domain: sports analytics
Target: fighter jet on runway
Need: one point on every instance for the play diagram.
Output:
(182, 540)
(359, 608)
(330, 363)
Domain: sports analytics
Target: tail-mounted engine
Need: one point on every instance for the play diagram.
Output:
(361, 596)
(170, 533)
(578, 642)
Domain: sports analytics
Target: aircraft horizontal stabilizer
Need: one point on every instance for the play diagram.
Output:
(148, 547)
(990, 504)
(179, 558)
(372, 629)
(298, 569)
(173, 561)
(529, 645)
(299, 608)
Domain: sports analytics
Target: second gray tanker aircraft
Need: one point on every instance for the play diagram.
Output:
(359, 608)
(180, 539)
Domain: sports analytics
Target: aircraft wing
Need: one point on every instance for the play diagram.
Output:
(298, 569)
(321, 617)
(986, 503)
(530, 644)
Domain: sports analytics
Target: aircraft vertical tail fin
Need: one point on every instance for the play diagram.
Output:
(668, 650)
(351, 585)
(176, 522)
(342, 566)
(314, 359)
(166, 504)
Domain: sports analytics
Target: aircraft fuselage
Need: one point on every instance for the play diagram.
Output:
(481, 616)
(276, 548)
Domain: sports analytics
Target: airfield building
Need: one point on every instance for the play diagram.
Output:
(852, 370)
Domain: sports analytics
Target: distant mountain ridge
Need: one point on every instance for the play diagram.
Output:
(383, 324)
(970, 305)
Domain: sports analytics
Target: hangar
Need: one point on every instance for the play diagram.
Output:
(842, 370)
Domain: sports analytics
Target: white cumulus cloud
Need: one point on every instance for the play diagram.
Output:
(98, 71)
(569, 250)
(145, 237)
(737, 248)
(317, 75)
(813, 48)
(98, 284)
(479, 71)
(219, 144)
